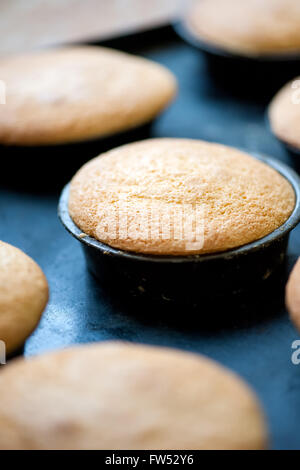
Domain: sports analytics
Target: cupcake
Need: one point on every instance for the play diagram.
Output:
(76, 94)
(23, 296)
(284, 115)
(167, 208)
(124, 396)
(251, 47)
(253, 28)
(64, 106)
(239, 198)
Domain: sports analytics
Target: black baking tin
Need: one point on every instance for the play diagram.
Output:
(188, 279)
(254, 75)
(51, 166)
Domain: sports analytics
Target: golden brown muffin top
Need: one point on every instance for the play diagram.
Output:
(251, 27)
(23, 296)
(178, 196)
(284, 113)
(79, 93)
(125, 396)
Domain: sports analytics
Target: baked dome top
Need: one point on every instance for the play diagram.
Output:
(79, 93)
(251, 27)
(284, 113)
(23, 296)
(124, 396)
(178, 196)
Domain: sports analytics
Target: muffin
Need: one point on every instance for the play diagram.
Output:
(23, 296)
(75, 94)
(178, 197)
(252, 28)
(123, 396)
(284, 114)
(293, 295)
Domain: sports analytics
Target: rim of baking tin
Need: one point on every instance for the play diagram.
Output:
(187, 35)
(287, 172)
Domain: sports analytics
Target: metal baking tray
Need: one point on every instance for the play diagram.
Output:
(256, 343)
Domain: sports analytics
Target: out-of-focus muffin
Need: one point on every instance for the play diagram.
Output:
(284, 114)
(293, 295)
(76, 94)
(23, 296)
(250, 28)
(125, 396)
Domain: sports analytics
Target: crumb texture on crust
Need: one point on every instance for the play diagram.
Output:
(293, 295)
(284, 113)
(121, 396)
(23, 296)
(238, 198)
(79, 93)
(252, 27)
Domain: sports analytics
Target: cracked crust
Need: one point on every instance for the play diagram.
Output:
(124, 396)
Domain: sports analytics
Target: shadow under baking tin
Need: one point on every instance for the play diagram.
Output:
(265, 73)
(48, 167)
(188, 279)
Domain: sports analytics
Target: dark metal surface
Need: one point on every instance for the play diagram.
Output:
(257, 344)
